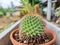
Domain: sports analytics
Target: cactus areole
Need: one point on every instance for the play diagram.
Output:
(31, 26)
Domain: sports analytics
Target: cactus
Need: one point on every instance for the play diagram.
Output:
(32, 25)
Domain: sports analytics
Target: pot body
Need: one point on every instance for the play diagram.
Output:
(56, 29)
(47, 31)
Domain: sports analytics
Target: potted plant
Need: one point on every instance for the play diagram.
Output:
(26, 9)
(2, 11)
(58, 14)
(32, 31)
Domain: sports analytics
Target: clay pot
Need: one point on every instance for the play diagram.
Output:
(47, 32)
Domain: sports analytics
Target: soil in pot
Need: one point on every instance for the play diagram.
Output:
(35, 40)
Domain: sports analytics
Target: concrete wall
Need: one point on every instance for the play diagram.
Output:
(6, 39)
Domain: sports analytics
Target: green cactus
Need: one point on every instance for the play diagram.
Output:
(32, 26)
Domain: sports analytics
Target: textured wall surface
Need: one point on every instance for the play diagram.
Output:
(6, 39)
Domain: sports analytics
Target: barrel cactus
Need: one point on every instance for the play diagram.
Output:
(32, 25)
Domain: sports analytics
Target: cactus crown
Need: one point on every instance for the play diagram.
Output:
(32, 25)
